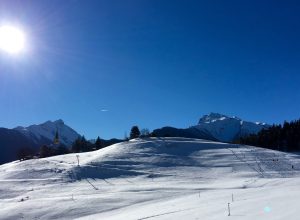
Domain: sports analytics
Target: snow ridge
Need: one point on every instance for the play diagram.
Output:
(47, 130)
(226, 128)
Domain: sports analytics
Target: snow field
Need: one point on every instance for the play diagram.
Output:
(155, 178)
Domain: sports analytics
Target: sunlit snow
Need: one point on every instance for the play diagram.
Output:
(156, 178)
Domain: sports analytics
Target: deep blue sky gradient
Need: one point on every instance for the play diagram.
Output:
(150, 63)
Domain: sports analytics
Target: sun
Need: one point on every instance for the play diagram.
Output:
(12, 39)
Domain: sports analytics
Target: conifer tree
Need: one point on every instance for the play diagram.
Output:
(98, 143)
(135, 132)
(46, 151)
(145, 132)
(277, 137)
(56, 138)
(85, 146)
(76, 147)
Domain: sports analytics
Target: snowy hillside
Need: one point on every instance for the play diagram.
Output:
(157, 178)
(225, 128)
(46, 132)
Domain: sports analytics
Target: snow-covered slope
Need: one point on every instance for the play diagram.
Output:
(157, 178)
(225, 128)
(45, 132)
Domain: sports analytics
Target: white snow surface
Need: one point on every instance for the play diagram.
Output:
(47, 131)
(155, 178)
(226, 128)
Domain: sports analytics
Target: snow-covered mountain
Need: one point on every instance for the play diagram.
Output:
(45, 132)
(33, 137)
(214, 126)
(226, 128)
(155, 178)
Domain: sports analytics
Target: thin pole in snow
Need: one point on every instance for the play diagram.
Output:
(228, 209)
(232, 197)
(77, 159)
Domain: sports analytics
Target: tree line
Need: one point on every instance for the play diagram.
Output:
(79, 145)
(284, 137)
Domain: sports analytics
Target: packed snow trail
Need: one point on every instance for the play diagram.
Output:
(268, 163)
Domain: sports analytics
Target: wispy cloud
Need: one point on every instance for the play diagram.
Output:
(104, 110)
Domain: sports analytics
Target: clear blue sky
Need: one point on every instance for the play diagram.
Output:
(150, 63)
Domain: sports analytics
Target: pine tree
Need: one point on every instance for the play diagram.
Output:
(56, 138)
(135, 132)
(145, 132)
(278, 137)
(84, 145)
(25, 152)
(76, 147)
(98, 143)
(61, 149)
(46, 151)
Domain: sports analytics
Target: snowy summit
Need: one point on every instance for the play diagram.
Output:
(214, 126)
(226, 128)
(46, 131)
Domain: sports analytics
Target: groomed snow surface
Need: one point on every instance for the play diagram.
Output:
(157, 178)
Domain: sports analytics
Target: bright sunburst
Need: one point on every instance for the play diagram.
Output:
(12, 39)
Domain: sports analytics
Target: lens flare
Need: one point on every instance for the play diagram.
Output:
(267, 209)
(12, 39)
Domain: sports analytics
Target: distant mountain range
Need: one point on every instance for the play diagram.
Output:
(45, 132)
(34, 136)
(215, 126)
